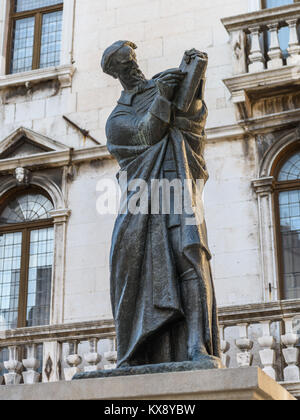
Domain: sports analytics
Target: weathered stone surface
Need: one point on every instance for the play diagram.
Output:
(219, 384)
(205, 364)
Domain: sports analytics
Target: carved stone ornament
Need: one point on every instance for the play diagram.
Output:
(22, 176)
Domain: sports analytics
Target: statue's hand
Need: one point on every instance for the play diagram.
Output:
(168, 82)
(193, 53)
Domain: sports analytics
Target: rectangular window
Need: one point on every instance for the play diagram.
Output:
(26, 260)
(289, 203)
(35, 35)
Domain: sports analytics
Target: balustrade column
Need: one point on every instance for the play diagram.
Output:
(111, 356)
(294, 47)
(274, 53)
(225, 346)
(31, 363)
(73, 360)
(267, 355)
(256, 57)
(244, 359)
(291, 353)
(93, 358)
(14, 366)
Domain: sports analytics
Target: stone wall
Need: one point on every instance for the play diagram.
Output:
(163, 30)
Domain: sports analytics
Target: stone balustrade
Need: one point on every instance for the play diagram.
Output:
(54, 353)
(258, 41)
(264, 335)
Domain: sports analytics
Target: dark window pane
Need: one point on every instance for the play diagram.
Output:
(289, 202)
(51, 40)
(24, 5)
(10, 269)
(39, 277)
(23, 38)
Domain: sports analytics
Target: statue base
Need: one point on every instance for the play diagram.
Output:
(202, 385)
(205, 363)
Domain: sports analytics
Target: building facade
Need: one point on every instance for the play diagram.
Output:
(55, 314)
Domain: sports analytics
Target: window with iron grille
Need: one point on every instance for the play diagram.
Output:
(35, 35)
(26, 260)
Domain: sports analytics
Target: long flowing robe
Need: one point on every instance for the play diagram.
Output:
(145, 292)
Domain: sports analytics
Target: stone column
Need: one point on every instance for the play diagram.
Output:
(52, 354)
(111, 356)
(267, 355)
(31, 363)
(274, 53)
(244, 359)
(14, 366)
(294, 47)
(225, 346)
(264, 189)
(238, 43)
(73, 360)
(291, 353)
(60, 231)
(256, 57)
(93, 358)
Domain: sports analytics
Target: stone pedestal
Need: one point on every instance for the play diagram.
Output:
(219, 384)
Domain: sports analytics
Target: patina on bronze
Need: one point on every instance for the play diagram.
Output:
(162, 292)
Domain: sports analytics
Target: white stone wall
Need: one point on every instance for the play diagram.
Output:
(163, 30)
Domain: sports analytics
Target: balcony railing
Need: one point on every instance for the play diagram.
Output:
(265, 56)
(259, 41)
(264, 335)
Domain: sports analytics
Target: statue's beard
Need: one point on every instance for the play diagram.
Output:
(136, 75)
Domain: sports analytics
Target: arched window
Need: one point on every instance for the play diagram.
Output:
(288, 215)
(26, 259)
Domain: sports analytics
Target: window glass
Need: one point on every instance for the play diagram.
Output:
(27, 208)
(25, 5)
(10, 271)
(289, 203)
(270, 4)
(290, 171)
(51, 39)
(39, 279)
(23, 39)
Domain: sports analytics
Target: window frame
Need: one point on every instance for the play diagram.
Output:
(38, 15)
(26, 229)
(279, 187)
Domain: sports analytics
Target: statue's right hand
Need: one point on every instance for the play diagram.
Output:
(169, 82)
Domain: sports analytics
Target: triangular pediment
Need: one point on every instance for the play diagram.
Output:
(25, 142)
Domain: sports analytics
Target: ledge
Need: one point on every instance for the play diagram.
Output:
(249, 83)
(55, 159)
(224, 384)
(261, 17)
(63, 74)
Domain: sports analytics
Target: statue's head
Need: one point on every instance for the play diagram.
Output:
(119, 61)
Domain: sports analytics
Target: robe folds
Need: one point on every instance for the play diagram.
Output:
(145, 292)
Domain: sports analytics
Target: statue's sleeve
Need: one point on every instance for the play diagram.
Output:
(128, 128)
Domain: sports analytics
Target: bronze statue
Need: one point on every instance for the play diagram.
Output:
(162, 292)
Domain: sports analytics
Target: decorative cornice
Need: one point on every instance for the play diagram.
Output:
(259, 81)
(261, 17)
(60, 215)
(63, 74)
(55, 159)
(264, 186)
